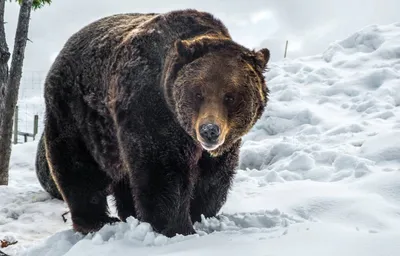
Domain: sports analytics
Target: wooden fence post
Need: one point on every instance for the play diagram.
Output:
(16, 125)
(35, 126)
(287, 42)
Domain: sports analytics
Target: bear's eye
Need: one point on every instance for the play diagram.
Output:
(229, 98)
(199, 96)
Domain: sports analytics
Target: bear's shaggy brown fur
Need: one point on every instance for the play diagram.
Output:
(43, 173)
(151, 107)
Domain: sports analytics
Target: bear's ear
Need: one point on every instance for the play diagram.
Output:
(262, 58)
(184, 50)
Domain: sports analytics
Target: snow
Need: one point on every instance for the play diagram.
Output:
(318, 175)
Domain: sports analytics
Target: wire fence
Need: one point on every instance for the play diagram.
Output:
(30, 103)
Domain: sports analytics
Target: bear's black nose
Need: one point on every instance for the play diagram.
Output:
(210, 133)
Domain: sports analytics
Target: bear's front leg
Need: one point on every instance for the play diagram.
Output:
(123, 198)
(162, 185)
(213, 184)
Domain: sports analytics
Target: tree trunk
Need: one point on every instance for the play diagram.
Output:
(4, 57)
(11, 89)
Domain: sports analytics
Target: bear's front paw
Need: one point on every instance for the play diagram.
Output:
(173, 231)
(87, 225)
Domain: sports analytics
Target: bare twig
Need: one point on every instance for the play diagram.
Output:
(63, 216)
(5, 243)
(3, 254)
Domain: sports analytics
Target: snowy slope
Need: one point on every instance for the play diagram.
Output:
(319, 174)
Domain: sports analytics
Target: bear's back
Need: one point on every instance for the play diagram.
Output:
(108, 30)
(100, 38)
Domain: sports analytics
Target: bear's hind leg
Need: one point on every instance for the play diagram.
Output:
(43, 173)
(123, 198)
(82, 184)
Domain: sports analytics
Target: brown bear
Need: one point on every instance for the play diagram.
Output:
(151, 107)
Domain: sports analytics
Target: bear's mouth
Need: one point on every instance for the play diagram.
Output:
(210, 146)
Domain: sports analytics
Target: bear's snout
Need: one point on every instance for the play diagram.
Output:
(210, 136)
(210, 133)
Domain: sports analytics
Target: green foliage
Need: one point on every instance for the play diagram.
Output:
(37, 4)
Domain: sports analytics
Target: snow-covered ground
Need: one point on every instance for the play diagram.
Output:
(319, 174)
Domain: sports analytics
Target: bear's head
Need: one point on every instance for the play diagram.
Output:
(217, 90)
